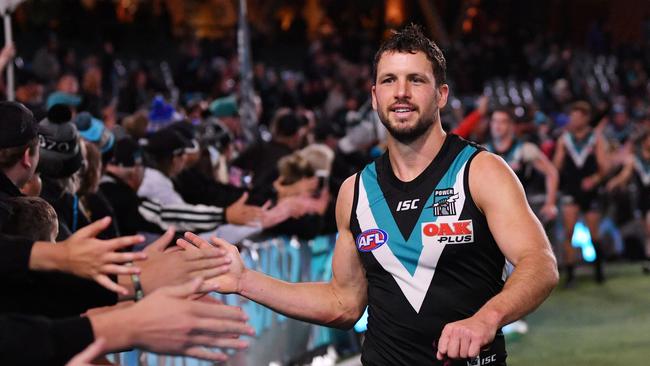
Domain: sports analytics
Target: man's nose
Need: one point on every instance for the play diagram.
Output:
(402, 90)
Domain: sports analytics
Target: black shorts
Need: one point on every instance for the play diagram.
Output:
(587, 201)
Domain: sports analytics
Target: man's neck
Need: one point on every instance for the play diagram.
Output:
(504, 143)
(409, 160)
(14, 176)
(580, 133)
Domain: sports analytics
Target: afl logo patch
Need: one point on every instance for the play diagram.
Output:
(371, 239)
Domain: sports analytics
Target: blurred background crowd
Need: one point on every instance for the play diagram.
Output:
(153, 93)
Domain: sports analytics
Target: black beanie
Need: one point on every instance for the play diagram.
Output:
(59, 144)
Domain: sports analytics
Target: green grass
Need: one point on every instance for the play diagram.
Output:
(590, 325)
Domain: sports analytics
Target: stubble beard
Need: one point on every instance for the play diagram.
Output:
(410, 134)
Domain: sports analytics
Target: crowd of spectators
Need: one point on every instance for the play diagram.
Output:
(158, 148)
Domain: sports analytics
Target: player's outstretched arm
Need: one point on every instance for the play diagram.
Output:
(338, 303)
(522, 240)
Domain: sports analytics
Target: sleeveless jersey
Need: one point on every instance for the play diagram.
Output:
(514, 156)
(580, 162)
(428, 254)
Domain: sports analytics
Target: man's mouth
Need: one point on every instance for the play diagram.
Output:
(402, 111)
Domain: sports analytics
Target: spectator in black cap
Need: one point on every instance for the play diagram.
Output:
(120, 183)
(19, 152)
(197, 184)
(166, 149)
(261, 159)
(61, 157)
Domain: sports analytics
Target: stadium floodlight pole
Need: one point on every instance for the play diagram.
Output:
(247, 112)
(8, 6)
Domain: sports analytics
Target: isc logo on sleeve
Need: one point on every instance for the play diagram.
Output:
(455, 232)
(371, 239)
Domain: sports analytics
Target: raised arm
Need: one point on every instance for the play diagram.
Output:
(558, 156)
(552, 179)
(338, 303)
(521, 238)
(623, 176)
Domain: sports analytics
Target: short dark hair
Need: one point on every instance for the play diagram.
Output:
(31, 217)
(507, 111)
(581, 106)
(288, 124)
(12, 155)
(411, 39)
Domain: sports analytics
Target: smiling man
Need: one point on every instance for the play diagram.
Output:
(424, 234)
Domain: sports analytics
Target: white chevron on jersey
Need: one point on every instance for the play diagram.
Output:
(579, 157)
(413, 287)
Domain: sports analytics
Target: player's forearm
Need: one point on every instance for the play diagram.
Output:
(47, 257)
(105, 325)
(552, 181)
(315, 302)
(530, 284)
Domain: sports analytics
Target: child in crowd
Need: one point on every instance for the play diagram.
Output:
(32, 218)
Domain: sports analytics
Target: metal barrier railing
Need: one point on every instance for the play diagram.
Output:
(278, 339)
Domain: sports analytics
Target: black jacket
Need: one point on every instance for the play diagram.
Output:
(7, 190)
(197, 188)
(32, 340)
(125, 203)
(51, 294)
(262, 161)
(71, 218)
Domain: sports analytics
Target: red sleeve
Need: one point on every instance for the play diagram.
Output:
(467, 125)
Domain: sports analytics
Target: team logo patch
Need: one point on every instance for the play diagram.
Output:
(371, 239)
(444, 202)
(456, 232)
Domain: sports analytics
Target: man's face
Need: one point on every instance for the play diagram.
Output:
(500, 125)
(178, 164)
(406, 96)
(578, 120)
(33, 156)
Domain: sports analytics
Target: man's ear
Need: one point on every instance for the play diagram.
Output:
(373, 96)
(443, 94)
(26, 159)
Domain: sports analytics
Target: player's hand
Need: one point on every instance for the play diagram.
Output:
(92, 258)
(549, 211)
(275, 215)
(589, 183)
(483, 104)
(229, 282)
(86, 357)
(239, 213)
(612, 185)
(168, 322)
(465, 338)
(180, 264)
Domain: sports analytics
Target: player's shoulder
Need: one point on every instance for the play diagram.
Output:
(344, 201)
(487, 166)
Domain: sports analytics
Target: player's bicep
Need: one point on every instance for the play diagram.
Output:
(512, 223)
(543, 165)
(348, 275)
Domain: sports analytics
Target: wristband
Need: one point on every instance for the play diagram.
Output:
(137, 285)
